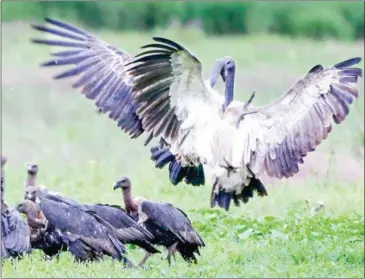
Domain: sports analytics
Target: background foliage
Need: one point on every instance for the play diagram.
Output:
(341, 20)
(82, 153)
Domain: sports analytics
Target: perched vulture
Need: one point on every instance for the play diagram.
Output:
(161, 91)
(127, 227)
(128, 231)
(15, 234)
(169, 225)
(87, 236)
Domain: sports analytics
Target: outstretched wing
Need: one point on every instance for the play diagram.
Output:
(172, 99)
(100, 70)
(279, 135)
(167, 216)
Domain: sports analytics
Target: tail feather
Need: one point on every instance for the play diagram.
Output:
(187, 252)
(223, 198)
(193, 175)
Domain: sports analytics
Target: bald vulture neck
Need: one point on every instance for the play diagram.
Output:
(30, 180)
(229, 88)
(129, 204)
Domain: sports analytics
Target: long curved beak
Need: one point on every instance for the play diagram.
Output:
(218, 69)
(116, 186)
(229, 90)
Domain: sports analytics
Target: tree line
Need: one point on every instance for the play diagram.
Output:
(318, 20)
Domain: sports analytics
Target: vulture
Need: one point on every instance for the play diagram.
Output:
(91, 56)
(128, 229)
(84, 234)
(126, 226)
(161, 91)
(169, 225)
(15, 234)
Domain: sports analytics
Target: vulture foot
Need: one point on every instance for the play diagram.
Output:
(144, 260)
(171, 252)
(228, 167)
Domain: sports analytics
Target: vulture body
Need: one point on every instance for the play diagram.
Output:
(127, 229)
(169, 225)
(126, 226)
(93, 58)
(15, 234)
(85, 235)
(161, 92)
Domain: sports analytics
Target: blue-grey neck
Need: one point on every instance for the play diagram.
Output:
(229, 90)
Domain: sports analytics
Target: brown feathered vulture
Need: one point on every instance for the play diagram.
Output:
(161, 91)
(169, 225)
(15, 234)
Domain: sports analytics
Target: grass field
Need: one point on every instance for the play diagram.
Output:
(81, 154)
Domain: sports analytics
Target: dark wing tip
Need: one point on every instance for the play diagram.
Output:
(168, 42)
(348, 63)
(316, 69)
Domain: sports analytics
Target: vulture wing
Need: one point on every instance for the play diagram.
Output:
(15, 234)
(121, 221)
(168, 217)
(100, 69)
(74, 224)
(172, 99)
(276, 137)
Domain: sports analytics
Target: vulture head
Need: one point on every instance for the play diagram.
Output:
(124, 183)
(226, 68)
(28, 208)
(32, 169)
(31, 193)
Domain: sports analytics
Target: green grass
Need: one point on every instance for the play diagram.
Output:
(81, 154)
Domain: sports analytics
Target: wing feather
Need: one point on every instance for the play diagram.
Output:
(300, 120)
(172, 98)
(100, 71)
(165, 215)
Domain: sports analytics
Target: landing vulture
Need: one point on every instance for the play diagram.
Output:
(161, 91)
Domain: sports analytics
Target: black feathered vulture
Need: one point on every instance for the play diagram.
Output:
(161, 91)
(102, 75)
(126, 226)
(87, 236)
(169, 225)
(15, 234)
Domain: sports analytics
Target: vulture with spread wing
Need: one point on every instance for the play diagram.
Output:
(15, 234)
(161, 92)
(169, 225)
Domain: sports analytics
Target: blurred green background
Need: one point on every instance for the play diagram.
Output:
(341, 20)
(81, 153)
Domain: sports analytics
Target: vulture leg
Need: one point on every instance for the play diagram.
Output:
(215, 190)
(171, 252)
(145, 258)
(229, 167)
